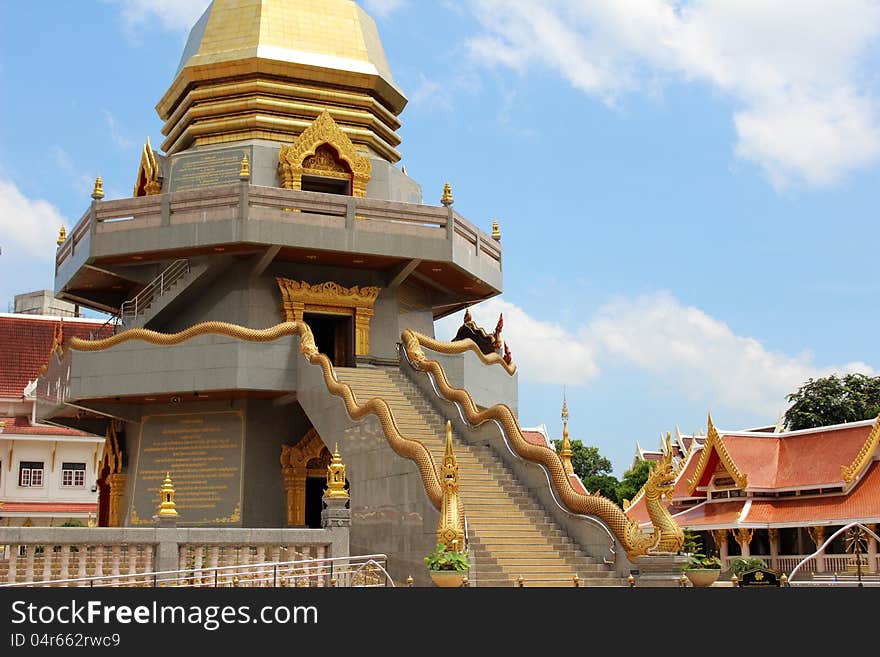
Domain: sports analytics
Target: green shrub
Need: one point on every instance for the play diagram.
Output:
(443, 559)
(739, 565)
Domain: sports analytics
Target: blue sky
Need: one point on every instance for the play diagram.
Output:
(687, 192)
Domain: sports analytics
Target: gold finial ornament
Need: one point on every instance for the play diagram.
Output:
(62, 235)
(451, 529)
(447, 198)
(90, 521)
(167, 509)
(245, 171)
(565, 451)
(496, 232)
(336, 476)
(631, 580)
(98, 190)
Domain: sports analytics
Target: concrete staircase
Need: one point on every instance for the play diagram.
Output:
(510, 533)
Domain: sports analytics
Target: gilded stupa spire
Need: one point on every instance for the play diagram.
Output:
(167, 509)
(451, 530)
(447, 198)
(496, 231)
(245, 172)
(62, 235)
(336, 476)
(565, 451)
(98, 189)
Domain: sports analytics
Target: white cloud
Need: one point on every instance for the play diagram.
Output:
(687, 351)
(798, 72)
(118, 138)
(27, 227)
(544, 352)
(174, 15)
(700, 356)
(383, 8)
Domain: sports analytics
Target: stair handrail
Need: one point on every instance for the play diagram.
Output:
(553, 492)
(154, 289)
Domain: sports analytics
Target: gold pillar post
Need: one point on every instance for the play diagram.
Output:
(872, 549)
(773, 533)
(117, 489)
(720, 538)
(744, 538)
(818, 536)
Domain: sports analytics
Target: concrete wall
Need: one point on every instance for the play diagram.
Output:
(487, 384)
(204, 363)
(388, 183)
(268, 428)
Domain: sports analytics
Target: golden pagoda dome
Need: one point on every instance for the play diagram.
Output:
(265, 69)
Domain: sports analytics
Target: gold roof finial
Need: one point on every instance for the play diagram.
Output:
(90, 521)
(167, 509)
(496, 232)
(245, 172)
(62, 235)
(447, 199)
(336, 476)
(565, 451)
(98, 190)
(451, 529)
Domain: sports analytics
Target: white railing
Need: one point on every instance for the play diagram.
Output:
(830, 563)
(37, 565)
(155, 289)
(344, 572)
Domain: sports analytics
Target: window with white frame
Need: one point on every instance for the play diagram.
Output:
(73, 475)
(30, 474)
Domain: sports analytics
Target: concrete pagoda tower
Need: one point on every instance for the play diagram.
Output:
(274, 198)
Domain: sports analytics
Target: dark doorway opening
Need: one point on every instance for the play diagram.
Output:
(334, 337)
(314, 501)
(103, 519)
(340, 186)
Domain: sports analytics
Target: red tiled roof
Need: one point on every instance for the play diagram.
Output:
(710, 514)
(577, 484)
(680, 489)
(639, 511)
(25, 341)
(21, 426)
(796, 459)
(862, 503)
(535, 438)
(48, 507)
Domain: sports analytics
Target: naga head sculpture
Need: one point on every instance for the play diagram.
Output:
(662, 478)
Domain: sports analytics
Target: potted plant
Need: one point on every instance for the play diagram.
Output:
(700, 568)
(447, 568)
(739, 565)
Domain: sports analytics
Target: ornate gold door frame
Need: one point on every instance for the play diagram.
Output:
(303, 156)
(300, 297)
(308, 458)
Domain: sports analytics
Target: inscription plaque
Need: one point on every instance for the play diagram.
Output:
(203, 453)
(759, 577)
(208, 169)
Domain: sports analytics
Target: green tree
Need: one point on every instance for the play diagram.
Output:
(633, 480)
(833, 400)
(586, 461)
(593, 469)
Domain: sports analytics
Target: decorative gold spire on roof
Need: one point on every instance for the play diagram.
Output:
(167, 509)
(565, 452)
(864, 456)
(62, 235)
(147, 180)
(496, 232)
(245, 171)
(98, 190)
(447, 198)
(336, 476)
(714, 442)
(451, 529)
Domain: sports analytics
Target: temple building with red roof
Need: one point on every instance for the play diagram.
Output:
(47, 473)
(779, 494)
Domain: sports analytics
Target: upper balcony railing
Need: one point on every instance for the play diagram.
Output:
(250, 203)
